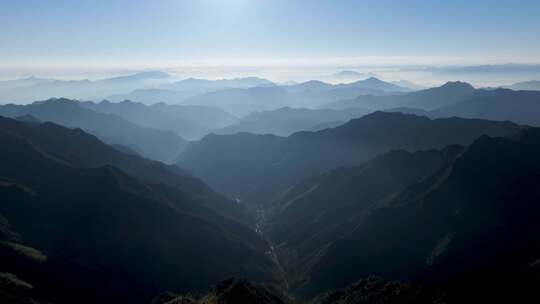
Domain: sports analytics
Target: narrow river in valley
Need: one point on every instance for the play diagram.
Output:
(259, 228)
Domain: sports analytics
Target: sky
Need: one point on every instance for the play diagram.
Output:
(198, 34)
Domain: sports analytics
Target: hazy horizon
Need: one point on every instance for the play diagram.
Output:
(480, 75)
(279, 40)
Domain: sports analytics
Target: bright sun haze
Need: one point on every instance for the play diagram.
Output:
(251, 33)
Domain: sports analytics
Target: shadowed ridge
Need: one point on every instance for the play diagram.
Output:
(80, 149)
(156, 144)
(232, 290)
(107, 225)
(467, 229)
(243, 164)
(376, 290)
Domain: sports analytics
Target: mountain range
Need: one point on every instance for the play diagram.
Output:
(190, 122)
(286, 121)
(68, 203)
(315, 193)
(244, 164)
(309, 216)
(179, 91)
(310, 94)
(502, 104)
(147, 87)
(239, 83)
(31, 89)
(152, 143)
(456, 99)
(427, 99)
(468, 226)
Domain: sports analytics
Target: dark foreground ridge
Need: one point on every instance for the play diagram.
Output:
(232, 290)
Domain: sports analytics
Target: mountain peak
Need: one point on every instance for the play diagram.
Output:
(57, 101)
(376, 84)
(386, 115)
(236, 290)
(370, 81)
(458, 85)
(129, 102)
(373, 79)
(314, 84)
(139, 76)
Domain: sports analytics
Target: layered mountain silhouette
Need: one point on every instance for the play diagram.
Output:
(179, 91)
(243, 164)
(241, 102)
(456, 99)
(502, 104)
(150, 142)
(190, 122)
(309, 94)
(148, 87)
(361, 192)
(155, 95)
(126, 235)
(469, 228)
(286, 121)
(81, 149)
(31, 89)
(310, 86)
(212, 85)
(373, 83)
(428, 99)
(306, 218)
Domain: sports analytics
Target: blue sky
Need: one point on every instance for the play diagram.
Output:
(244, 32)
